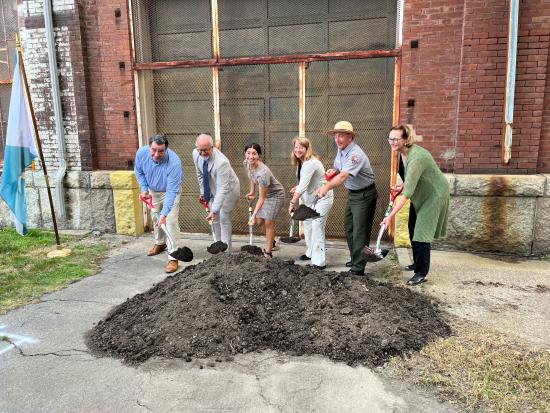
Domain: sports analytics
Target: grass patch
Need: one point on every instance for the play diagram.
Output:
(483, 369)
(26, 273)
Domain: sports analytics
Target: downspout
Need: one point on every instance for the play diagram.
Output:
(58, 114)
(513, 18)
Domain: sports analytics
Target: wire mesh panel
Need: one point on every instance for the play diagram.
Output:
(183, 109)
(361, 92)
(259, 103)
(279, 27)
(8, 30)
(171, 30)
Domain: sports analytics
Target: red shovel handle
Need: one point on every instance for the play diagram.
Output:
(394, 194)
(203, 202)
(147, 201)
(331, 173)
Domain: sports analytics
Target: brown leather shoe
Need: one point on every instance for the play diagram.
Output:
(156, 249)
(172, 266)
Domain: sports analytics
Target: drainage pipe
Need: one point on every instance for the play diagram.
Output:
(58, 114)
(507, 129)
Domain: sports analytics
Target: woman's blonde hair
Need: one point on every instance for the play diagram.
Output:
(407, 133)
(303, 141)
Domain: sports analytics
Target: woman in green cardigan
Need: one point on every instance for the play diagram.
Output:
(428, 189)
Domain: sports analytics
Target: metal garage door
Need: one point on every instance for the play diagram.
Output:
(259, 102)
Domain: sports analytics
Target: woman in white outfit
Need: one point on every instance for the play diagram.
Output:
(311, 176)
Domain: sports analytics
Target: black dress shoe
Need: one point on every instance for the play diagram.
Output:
(319, 267)
(349, 264)
(304, 257)
(354, 272)
(417, 278)
(408, 267)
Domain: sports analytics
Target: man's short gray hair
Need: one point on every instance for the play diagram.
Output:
(204, 135)
(159, 139)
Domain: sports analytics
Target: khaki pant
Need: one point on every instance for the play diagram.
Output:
(172, 219)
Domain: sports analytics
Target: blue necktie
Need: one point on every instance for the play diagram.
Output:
(205, 181)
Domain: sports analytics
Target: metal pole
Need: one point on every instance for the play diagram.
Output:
(58, 112)
(38, 142)
(507, 130)
(215, 74)
(302, 99)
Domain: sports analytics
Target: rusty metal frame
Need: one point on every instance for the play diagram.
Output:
(294, 58)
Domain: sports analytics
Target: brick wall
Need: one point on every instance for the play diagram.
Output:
(95, 92)
(543, 164)
(457, 80)
(111, 89)
(70, 71)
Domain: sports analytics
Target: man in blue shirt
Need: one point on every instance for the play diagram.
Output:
(159, 174)
(355, 173)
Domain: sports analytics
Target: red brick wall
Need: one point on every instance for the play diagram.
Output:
(543, 164)
(430, 73)
(111, 89)
(457, 80)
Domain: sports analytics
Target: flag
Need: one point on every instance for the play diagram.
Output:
(18, 153)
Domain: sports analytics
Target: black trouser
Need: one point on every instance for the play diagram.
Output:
(421, 250)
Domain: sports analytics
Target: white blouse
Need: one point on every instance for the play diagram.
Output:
(312, 177)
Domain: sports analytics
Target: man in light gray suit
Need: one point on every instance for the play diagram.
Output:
(219, 185)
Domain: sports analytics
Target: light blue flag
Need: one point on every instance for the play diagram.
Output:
(18, 153)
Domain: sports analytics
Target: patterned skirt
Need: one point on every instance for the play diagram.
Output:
(271, 208)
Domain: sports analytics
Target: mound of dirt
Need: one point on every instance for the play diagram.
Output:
(237, 303)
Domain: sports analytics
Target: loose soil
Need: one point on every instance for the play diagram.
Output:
(237, 303)
(217, 247)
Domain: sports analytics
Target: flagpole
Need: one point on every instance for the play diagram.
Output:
(61, 252)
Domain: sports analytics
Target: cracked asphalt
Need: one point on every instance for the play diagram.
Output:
(46, 367)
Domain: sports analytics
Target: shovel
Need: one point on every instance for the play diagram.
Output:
(251, 249)
(181, 254)
(378, 253)
(304, 212)
(291, 239)
(217, 246)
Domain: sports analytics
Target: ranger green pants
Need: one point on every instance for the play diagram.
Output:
(358, 221)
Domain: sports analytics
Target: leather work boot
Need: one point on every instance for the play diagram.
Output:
(156, 249)
(172, 266)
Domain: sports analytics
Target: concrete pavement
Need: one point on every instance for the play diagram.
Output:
(46, 367)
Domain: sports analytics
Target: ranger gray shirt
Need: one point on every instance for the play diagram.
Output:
(354, 161)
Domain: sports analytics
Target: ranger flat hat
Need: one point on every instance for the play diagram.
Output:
(344, 127)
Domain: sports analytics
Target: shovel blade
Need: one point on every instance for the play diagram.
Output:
(289, 240)
(217, 247)
(303, 212)
(371, 255)
(182, 254)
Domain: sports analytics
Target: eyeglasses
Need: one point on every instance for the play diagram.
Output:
(394, 140)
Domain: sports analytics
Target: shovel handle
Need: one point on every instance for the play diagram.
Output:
(147, 201)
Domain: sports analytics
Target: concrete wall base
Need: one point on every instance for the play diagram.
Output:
(494, 213)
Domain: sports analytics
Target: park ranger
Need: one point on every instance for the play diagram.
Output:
(354, 171)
